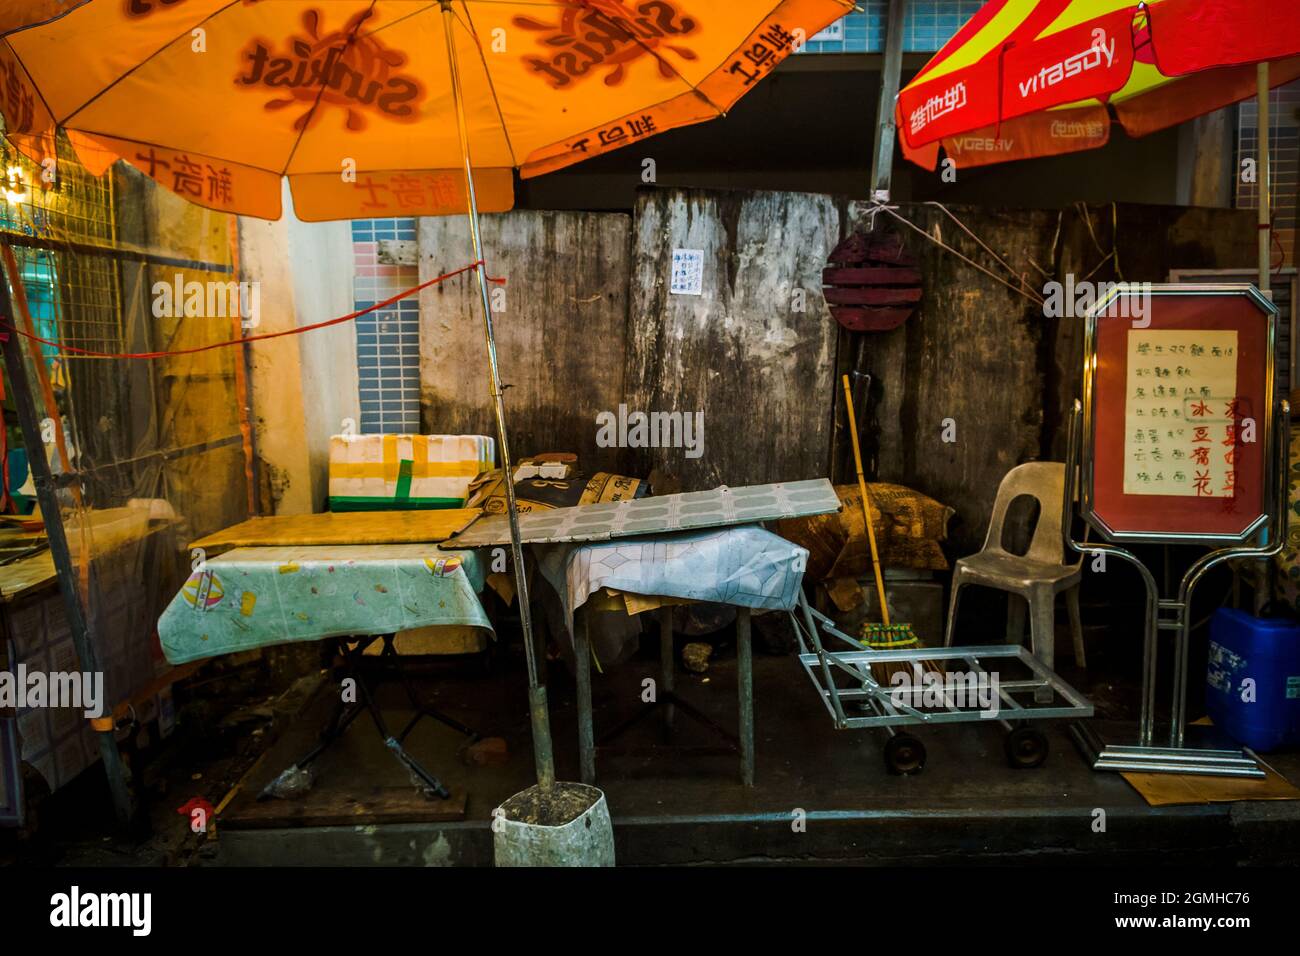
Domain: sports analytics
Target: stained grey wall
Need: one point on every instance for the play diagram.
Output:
(561, 336)
(590, 324)
(755, 352)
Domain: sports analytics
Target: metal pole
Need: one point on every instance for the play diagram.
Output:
(745, 695)
(1077, 457)
(47, 497)
(882, 154)
(582, 671)
(543, 753)
(1265, 198)
(666, 664)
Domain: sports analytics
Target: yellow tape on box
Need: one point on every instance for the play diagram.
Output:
(374, 472)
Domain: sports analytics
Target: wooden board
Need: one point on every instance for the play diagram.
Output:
(755, 352)
(26, 576)
(361, 807)
(560, 334)
(969, 354)
(342, 527)
(987, 358)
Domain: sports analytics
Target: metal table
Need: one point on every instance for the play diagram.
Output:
(744, 566)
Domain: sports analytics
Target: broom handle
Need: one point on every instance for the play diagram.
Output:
(866, 506)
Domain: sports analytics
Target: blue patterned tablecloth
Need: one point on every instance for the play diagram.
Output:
(256, 597)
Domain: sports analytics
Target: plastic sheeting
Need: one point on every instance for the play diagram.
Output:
(742, 566)
(149, 454)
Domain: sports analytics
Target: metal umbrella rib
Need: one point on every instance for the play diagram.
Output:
(538, 711)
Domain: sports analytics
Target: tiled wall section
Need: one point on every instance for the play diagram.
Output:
(388, 340)
(929, 24)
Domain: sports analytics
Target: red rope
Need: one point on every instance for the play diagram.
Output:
(352, 316)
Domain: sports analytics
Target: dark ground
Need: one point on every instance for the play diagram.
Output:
(967, 806)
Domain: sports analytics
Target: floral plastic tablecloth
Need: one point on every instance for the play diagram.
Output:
(255, 597)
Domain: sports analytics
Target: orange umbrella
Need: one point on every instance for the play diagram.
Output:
(352, 99)
(381, 107)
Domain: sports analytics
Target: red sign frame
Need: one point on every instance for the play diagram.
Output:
(1163, 518)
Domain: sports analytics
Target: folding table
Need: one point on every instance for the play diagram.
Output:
(261, 596)
(745, 566)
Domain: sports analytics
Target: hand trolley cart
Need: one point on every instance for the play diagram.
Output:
(855, 698)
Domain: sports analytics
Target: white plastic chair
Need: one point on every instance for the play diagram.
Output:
(1037, 576)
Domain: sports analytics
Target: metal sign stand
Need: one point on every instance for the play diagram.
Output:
(1172, 614)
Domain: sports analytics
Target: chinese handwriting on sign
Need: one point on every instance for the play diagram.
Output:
(1181, 414)
(688, 272)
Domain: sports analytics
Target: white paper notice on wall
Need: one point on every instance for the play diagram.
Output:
(1180, 414)
(688, 272)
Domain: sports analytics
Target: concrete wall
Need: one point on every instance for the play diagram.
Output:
(305, 385)
(560, 329)
(766, 374)
(754, 354)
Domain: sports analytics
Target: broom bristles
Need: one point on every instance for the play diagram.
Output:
(877, 637)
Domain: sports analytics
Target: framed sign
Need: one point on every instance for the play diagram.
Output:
(1178, 414)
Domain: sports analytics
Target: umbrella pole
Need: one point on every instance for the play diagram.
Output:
(543, 755)
(1264, 177)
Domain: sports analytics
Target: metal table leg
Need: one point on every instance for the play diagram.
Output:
(745, 685)
(582, 668)
(352, 651)
(666, 666)
(666, 698)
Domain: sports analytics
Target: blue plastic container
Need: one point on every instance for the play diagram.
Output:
(1267, 651)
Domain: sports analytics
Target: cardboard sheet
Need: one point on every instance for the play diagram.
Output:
(1172, 789)
(377, 472)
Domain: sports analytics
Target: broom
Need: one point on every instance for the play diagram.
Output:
(885, 635)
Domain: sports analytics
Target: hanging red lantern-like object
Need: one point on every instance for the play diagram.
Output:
(871, 283)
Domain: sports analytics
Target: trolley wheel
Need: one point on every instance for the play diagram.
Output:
(904, 754)
(1026, 747)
